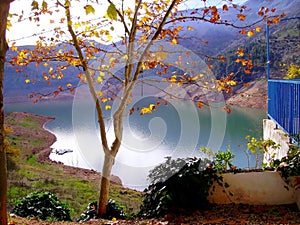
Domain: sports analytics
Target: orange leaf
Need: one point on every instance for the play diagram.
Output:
(247, 72)
(242, 32)
(241, 17)
(60, 88)
(225, 7)
(190, 28)
(200, 105)
(210, 66)
(240, 52)
(55, 93)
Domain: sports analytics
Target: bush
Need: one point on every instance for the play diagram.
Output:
(113, 210)
(290, 165)
(178, 184)
(42, 205)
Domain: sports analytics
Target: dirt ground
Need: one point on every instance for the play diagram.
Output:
(221, 214)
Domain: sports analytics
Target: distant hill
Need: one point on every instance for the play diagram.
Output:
(221, 40)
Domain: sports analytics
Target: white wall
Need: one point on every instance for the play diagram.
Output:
(278, 136)
(254, 188)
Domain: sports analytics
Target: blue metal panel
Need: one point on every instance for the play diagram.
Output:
(284, 104)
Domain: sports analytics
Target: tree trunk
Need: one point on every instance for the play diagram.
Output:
(4, 9)
(105, 182)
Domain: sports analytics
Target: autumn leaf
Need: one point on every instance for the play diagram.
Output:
(174, 41)
(60, 88)
(242, 32)
(190, 28)
(89, 9)
(240, 52)
(131, 111)
(27, 81)
(257, 29)
(247, 72)
(225, 7)
(112, 12)
(200, 105)
(34, 5)
(104, 100)
(145, 110)
(107, 107)
(241, 17)
(250, 33)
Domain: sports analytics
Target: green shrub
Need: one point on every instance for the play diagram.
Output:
(178, 184)
(90, 213)
(113, 210)
(42, 205)
(290, 165)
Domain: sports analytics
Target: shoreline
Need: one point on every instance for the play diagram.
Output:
(43, 152)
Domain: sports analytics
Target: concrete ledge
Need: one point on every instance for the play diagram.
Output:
(255, 188)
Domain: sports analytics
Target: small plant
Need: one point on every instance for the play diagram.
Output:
(178, 184)
(90, 213)
(42, 205)
(289, 166)
(222, 160)
(260, 148)
(113, 210)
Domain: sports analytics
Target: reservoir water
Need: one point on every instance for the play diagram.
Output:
(176, 129)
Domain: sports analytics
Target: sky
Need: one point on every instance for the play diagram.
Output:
(21, 32)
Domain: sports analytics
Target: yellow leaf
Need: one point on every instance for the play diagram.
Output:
(46, 77)
(250, 33)
(89, 9)
(114, 219)
(231, 82)
(99, 79)
(69, 85)
(174, 41)
(152, 106)
(109, 37)
(27, 81)
(107, 107)
(257, 29)
(99, 93)
(76, 25)
(145, 111)
(190, 28)
(14, 48)
(8, 25)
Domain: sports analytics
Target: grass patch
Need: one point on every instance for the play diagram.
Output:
(34, 176)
